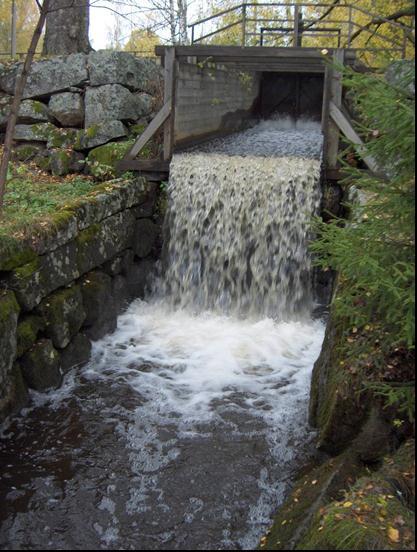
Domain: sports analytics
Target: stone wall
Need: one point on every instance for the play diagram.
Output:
(65, 287)
(74, 104)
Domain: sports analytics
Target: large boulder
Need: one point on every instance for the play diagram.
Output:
(41, 366)
(48, 76)
(63, 162)
(111, 102)
(34, 133)
(30, 112)
(108, 67)
(68, 109)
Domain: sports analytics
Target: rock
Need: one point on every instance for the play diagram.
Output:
(64, 314)
(100, 134)
(120, 264)
(138, 277)
(109, 67)
(14, 253)
(68, 109)
(34, 281)
(41, 366)
(145, 236)
(98, 301)
(30, 112)
(63, 138)
(101, 242)
(34, 133)
(28, 330)
(145, 103)
(48, 76)
(108, 155)
(28, 151)
(120, 293)
(111, 102)
(338, 405)
(402, 74)
(9, 312)
(77, 354)
(63, 162)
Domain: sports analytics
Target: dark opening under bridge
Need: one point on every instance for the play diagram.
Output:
(211, 89)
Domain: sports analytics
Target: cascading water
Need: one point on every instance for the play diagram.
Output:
(185, 429)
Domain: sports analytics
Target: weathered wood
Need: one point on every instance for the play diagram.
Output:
(336, 91)
(249, 52)
(144, 165)
(150, 131)
(169, 99)
(346, 127)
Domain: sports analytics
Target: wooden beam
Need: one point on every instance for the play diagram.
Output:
(336, 92)
(150, 131)
(145, 166)
(169, 98)
(346, 127)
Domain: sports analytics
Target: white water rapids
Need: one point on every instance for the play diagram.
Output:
(194, 412)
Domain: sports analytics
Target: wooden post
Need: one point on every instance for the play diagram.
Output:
(244, 25)
(350, 31)
(335, 93)
(169, 98)
(296, 23)
(13, 48)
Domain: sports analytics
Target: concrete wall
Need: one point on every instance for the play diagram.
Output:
(67, 287)
(212, 100)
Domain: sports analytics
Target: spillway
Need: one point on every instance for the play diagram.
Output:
(186, 428)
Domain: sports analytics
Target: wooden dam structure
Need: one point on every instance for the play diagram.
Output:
(213, 89)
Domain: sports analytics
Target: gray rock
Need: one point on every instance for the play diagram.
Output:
(100, 134)
(34, 133)
(63, 137)
(111, 102)
(100, 307)
(77, 354)
(402, 74)
(27, 151)
(101, 242)
(119, 264)
(63, 162)
(34, 281)
(64, 314)
(41, 366)
(145, 104)
(48, 76)
(30, 112)
(138, 278)
(110, 67)
(68, 109)
(9, 312)
(145, 236)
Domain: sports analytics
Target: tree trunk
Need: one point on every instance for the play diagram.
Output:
(67, 27)
(20, 86)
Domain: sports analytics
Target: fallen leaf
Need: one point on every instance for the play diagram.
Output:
(393, 534)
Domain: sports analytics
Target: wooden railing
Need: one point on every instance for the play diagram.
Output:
(289, 26)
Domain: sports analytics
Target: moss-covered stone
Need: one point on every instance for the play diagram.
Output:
(101, 242)
(41, 366)
(62, 138)
(105, 157)
(14, 253)
(76, 354)
(99, 305)
(145, 236)
(9, 312)
(119, 264)
(338, 406)
(373, 515)
(63, 313)
(28, 330)
(34, 281)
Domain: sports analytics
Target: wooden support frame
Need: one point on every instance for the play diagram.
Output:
(170, 71)
(333, 94)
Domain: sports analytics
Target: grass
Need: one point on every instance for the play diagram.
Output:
(32, 196)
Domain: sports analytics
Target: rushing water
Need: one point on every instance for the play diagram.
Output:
(185, 429)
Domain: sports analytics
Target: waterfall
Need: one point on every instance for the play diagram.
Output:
(238, 224)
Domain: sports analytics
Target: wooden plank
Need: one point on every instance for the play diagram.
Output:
(248, 52)
(169, 92)
(153, 127)
(144, 165)
(336, 91)
(346, 127)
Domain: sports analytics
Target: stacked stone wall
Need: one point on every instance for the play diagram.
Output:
(65, 287)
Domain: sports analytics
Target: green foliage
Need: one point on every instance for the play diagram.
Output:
(374, 252)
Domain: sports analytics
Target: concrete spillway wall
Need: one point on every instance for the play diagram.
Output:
(212, 100)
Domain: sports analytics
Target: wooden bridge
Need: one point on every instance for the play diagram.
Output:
(212, 89)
